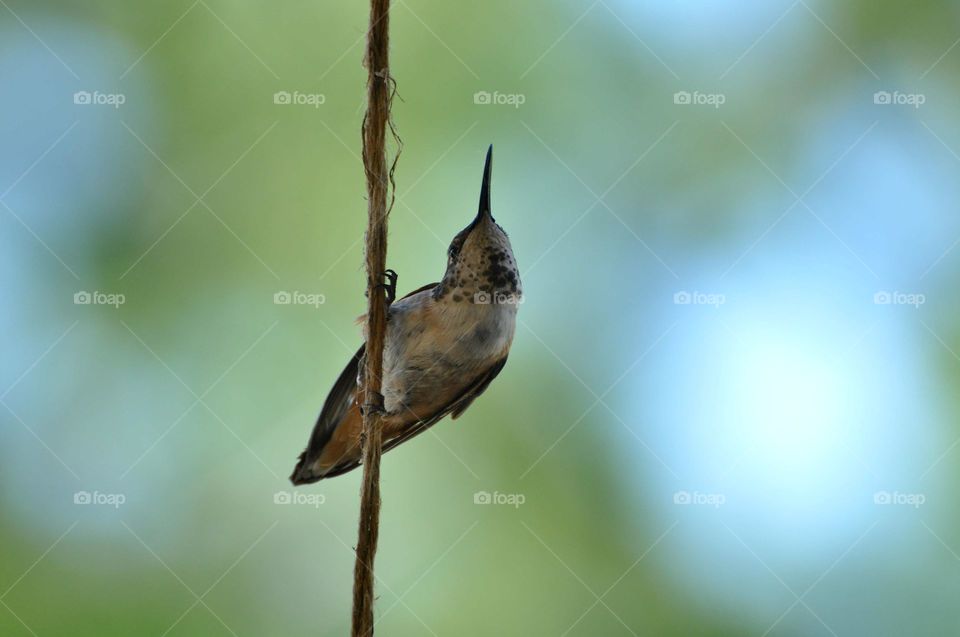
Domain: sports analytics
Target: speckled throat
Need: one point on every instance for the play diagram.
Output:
(489, 276)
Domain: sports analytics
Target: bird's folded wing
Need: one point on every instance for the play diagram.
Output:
(456, 407)
(340, 400)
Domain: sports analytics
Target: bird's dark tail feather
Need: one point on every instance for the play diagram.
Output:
(338, 404)
(301, 475)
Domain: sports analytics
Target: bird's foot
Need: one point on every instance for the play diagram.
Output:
(389, 286)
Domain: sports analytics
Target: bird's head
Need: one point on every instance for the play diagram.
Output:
(480, 259)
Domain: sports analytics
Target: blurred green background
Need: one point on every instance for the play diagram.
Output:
(731, 405)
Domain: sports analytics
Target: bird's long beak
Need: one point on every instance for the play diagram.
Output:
(485, 187)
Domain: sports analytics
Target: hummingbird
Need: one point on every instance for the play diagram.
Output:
(445, 343)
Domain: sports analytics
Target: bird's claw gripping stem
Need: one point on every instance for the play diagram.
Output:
(390, 287)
